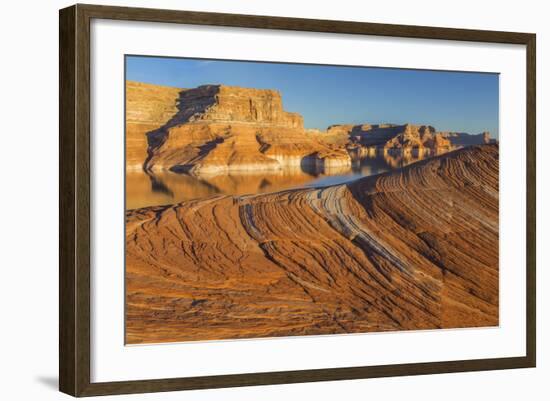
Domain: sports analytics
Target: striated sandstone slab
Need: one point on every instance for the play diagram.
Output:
(411, 249)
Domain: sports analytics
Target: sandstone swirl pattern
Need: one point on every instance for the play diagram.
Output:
(411, 249)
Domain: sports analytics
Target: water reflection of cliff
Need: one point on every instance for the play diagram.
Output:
(149, 189)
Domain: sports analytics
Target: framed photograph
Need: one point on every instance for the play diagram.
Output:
(249, 200)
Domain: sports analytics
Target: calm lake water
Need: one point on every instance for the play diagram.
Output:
(144, 189)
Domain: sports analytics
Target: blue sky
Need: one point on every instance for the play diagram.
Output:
(326, 95)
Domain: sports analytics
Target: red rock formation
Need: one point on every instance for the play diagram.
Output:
(403, 138)
(411, 249)
(438, 143)
(226, 104)
(220, 128)
(148, 107)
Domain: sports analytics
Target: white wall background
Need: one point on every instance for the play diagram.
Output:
(29, 185)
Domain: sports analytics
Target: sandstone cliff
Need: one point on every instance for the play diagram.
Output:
(226, 104)
(219, 128)
(148, 107)
(415, 248)
(403, 138)
(406, 137)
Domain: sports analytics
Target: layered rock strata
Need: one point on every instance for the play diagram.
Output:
(148, 107)
(220, 129)
(403, 138)
(415, 248)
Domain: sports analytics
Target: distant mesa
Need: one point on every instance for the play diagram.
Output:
(405, 137)
(464, 139)
(216, 129)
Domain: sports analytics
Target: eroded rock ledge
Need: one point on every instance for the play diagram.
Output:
(410, 249)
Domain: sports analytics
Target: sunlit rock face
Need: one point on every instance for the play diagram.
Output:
(415, 248)
(405, 137)
(220, 129)
(221, 103)
(367, 139)
(148, 107)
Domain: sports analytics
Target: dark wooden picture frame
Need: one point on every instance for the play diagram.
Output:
(74, 202)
